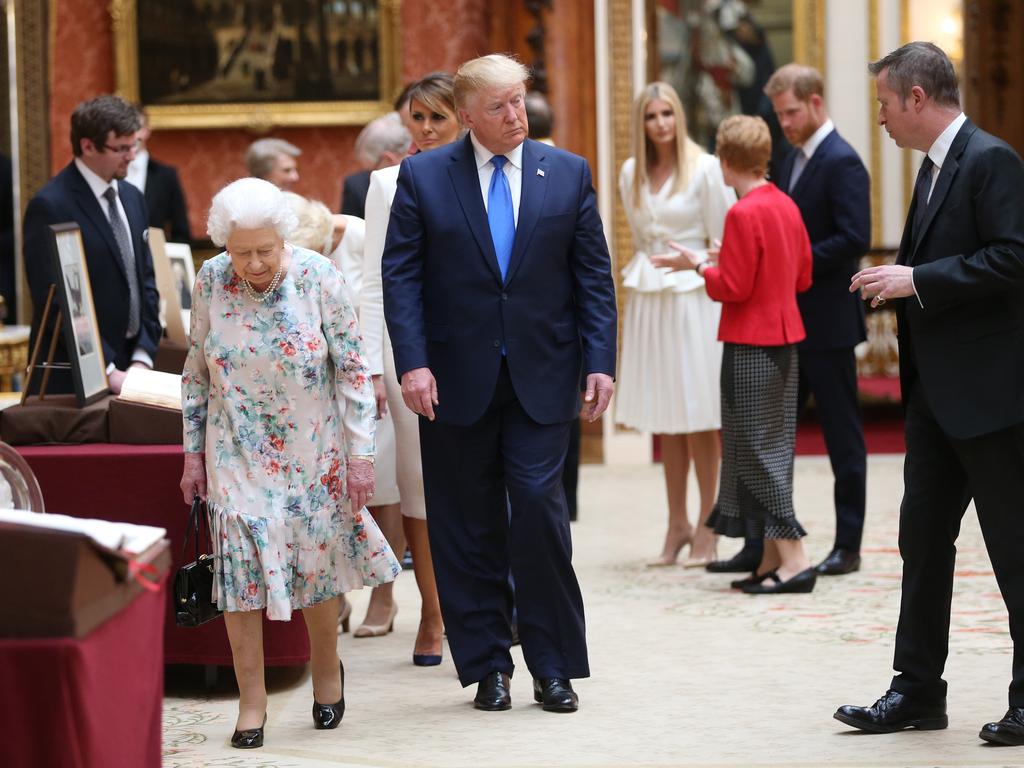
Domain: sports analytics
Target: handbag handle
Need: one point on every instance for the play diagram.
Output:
(194, 526)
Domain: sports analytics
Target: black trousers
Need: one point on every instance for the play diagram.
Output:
(941, 476)
(831, 376)
(475, 539)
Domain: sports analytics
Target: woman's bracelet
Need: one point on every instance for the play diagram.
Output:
(699, 265)
(362, 457)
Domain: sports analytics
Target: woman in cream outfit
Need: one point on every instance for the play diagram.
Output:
(434, 123)
(668, 381)
(340, 237)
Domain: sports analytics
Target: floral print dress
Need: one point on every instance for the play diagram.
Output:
(277, 394)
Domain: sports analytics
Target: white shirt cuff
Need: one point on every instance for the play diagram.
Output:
(916, 294)
(141, 356)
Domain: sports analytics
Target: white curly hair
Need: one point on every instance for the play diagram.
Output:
(249, 204)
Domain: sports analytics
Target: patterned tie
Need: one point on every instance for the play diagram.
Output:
(124, 245)
(500, 216)
(922, 190)
(798, 167)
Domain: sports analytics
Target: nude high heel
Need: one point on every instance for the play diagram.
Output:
(378, 630)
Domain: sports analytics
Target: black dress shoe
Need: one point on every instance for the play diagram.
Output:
(744, 561)
(895, 712)
(251, 738)
(556, 694)
(492, 693)
(772, 585)
(328, 716)
(754, 578)
(838, 563)
(1009, 731)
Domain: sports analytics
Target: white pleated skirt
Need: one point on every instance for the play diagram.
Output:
(671, 362)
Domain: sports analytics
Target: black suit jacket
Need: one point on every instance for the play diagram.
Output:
(966, 344)
(68, 198)
(165, 200)
(353, 194)
(833, 195)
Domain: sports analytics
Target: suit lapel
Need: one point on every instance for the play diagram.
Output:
(91, 210)
(466, 180)
(947, 173)
(786, 172)
(531, 201)
(812, 165)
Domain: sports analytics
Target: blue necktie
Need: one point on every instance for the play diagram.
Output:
(499, 214)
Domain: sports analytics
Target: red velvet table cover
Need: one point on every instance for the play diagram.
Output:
(139, 484)
(84, 702)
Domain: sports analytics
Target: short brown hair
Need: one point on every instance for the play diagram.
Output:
(745, 143)
(805, 82)
(921, 64)
(96, 118)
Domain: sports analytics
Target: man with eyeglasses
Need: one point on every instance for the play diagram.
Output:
(113, 220)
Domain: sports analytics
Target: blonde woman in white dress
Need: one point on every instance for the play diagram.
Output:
(435, 123)
(671, 359)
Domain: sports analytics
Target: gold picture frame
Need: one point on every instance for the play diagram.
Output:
(257, 115)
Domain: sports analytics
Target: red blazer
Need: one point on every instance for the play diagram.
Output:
(764, 263)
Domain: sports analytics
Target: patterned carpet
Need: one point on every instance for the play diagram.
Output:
(686, 672)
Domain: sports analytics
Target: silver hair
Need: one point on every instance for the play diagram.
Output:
(263, 153)
(384, 134)
(249, 204)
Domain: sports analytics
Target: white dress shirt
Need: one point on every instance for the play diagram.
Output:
(138, 170)
(940, 148)
(809, 146)
(513, 170)
(99, 187)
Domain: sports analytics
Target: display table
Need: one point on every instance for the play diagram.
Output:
(92, 701)
(139, 484)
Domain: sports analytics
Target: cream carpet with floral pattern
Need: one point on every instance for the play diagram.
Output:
(685, 671)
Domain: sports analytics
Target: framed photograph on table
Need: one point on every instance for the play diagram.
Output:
(257, 64)
(79, 326)
(172, 282)
(183, 273)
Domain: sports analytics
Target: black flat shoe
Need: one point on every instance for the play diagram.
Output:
(839, 563)
(754, 578)
(1008, 732)
(773, 585)
(251, 738)
(556, 694)
(744, 561)
(328, 716)
(896, 712)
(493, 694)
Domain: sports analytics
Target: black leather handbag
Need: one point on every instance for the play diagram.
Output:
(193, 583)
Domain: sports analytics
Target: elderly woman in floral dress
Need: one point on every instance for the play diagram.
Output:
(279, 416)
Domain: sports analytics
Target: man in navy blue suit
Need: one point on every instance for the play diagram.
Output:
(500, 304)
(829, 183)
(113, 220)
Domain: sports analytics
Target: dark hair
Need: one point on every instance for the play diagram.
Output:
(95, 118)
(924, 65)
(538, 115)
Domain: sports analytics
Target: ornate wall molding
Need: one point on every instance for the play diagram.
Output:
(874, 54)
(621, 45)
(809, 33)
(536, 38)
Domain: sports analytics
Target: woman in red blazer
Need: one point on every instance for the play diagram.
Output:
(764, 261)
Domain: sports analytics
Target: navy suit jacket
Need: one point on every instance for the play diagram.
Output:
(448, 309)
(966, 344)
(68, 198)
(833, 195)
(165, 201)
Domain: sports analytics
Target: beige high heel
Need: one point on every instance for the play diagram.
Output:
(659, 563)
(345, 617)
(378, 630)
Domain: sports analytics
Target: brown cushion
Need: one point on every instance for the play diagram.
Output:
(56, 419)
(141, 424)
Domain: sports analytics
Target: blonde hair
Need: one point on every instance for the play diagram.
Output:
(315, 229)
(805, 82)
(687, 150)
(745, 143)
(496, 70)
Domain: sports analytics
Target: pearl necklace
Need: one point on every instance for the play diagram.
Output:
(261, 298)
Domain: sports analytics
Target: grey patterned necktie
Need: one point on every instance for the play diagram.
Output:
(124, 245)
(798, 167)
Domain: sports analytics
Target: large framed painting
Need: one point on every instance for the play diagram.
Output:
(257, 63)
(80, 328)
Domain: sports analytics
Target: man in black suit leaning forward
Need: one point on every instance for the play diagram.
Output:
(829, 183)
(959, 286)
(112, 216)
(499, 299)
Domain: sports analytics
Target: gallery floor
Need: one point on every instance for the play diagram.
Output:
(685, 672)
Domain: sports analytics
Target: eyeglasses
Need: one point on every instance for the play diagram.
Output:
(123, 150)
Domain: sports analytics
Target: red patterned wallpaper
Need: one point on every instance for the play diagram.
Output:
(435, 35)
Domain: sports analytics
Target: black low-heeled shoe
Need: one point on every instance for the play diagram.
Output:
(802, 582)
(754, 578)
(328, 716)
(251, 738)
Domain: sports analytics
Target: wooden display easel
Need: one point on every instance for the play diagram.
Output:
(49, 365)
